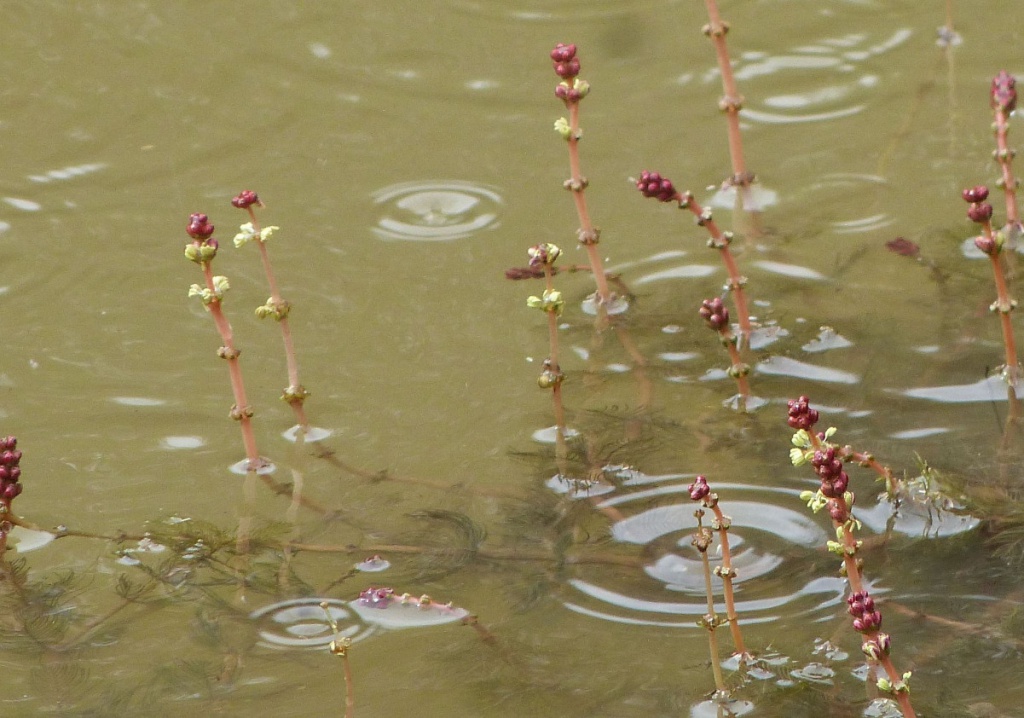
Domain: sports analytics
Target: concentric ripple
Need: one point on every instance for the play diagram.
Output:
(768, 527)
(823, 81)
(436, 211)
(302, 623)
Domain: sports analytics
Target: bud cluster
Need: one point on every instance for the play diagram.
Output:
(376, 597)
(699, 489)
(246, 199)
(715, 313)
(566, 64)
(801, 415)
(980, 211)
(1004, 92)
(865, 618)
(652, 184)
(829, 469)
(543, 254)
(10, 471)
(204, 248)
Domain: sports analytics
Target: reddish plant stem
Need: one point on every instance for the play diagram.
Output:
(731, 104)
(556, 389)
(855, 578)
(1004, 304)
(868, 461)
(241, 410)
(1004, 156)
(588, 234)
(726, 573)
(720, 241)
(711, 618)
(295, 393)
(738, 369)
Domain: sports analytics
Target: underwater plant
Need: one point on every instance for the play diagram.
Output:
(701, 491)
(1003, 99)
(202, 250)
(730, 104)
(834, 496)
(654, 185)
(571, 90)
(276, 306)
(992, 243)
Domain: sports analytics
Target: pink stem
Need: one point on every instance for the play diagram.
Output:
(295, 389)
(731, 104)
(1004, 155)
(721, 242)
(727, 573)
(587, 233)
(241, 409)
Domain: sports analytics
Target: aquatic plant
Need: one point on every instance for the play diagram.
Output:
(716, 316)
(710, 621)
(276, 306)
(701, 491)
(834, 496)
(544, 256)
(10, 487)
(991, 243)
(571, 90)
(730, 104)
(1003, 99)
(202, 250)
(654, 185)
(339, 647)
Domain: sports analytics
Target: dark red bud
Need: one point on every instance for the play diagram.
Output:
(986, 244)
(245, 199)
(699, 489)
(199, 226)
(563, 52)
(1004, 92)
(980, 212)
(975, 194)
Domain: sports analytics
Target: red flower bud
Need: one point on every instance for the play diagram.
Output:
(975, 194)
(980, 213)
(199, 226)
(245, 199)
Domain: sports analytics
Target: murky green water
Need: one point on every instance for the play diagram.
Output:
(406, 152)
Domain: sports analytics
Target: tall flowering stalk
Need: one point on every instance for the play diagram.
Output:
(551, 303)
(1003, 98)
(716, 316)
(571, 90)
(202, 250)
(339, 647)
(10, 488)
(730, 104)
(701, 491)
(710, 621)
(834, 495)
(992, 243)
(652, 184)
(276, 306)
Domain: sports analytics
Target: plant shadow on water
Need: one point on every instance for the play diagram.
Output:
(465, 547)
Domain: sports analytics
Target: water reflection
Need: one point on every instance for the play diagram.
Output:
(861, 193)
(784, 366)
(436, 211)
(302, 623)
(764, 534)
(991, 388)
(823, 80)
